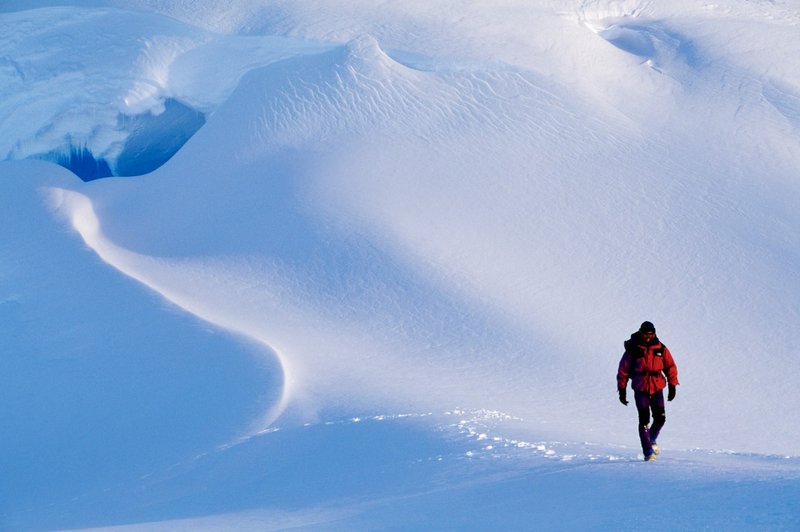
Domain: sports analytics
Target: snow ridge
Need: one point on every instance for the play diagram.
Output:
(155, 273)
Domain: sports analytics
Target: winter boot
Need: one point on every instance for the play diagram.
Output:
(656, 448)
(649, 455)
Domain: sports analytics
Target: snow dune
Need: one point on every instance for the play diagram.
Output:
(578, 221)
(406, 209)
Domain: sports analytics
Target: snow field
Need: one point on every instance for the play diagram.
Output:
(397, 208)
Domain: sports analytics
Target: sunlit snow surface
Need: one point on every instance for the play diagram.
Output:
(386, 283)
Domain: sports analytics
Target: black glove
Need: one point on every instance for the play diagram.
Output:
(623, 396)
(671, 392)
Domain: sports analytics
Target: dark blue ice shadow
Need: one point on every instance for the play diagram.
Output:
(152, 141)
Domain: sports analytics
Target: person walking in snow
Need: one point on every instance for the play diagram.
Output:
(650, 367)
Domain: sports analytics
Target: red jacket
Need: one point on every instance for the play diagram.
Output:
(646, 366)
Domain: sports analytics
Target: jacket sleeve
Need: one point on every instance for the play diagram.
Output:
(624, 371)
(670, 368)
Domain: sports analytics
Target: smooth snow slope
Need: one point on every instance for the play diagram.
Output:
(100, 382)
(412, 209)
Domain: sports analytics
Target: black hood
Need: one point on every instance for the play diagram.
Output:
(637, 340)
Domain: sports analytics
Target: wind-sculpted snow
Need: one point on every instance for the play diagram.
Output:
(431, 271)
(436, 228)
(379, 328)
(132, 92)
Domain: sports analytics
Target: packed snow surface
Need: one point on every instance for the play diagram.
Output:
(370, 265)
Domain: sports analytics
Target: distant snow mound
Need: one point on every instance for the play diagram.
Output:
(365, 55)
(365, 89)
(654, 43)
(631, 27)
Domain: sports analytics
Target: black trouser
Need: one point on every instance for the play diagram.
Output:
(646, 402)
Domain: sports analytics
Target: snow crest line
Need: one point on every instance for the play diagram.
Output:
(153, 272)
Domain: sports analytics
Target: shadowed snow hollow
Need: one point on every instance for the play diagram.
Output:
(136, 87)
